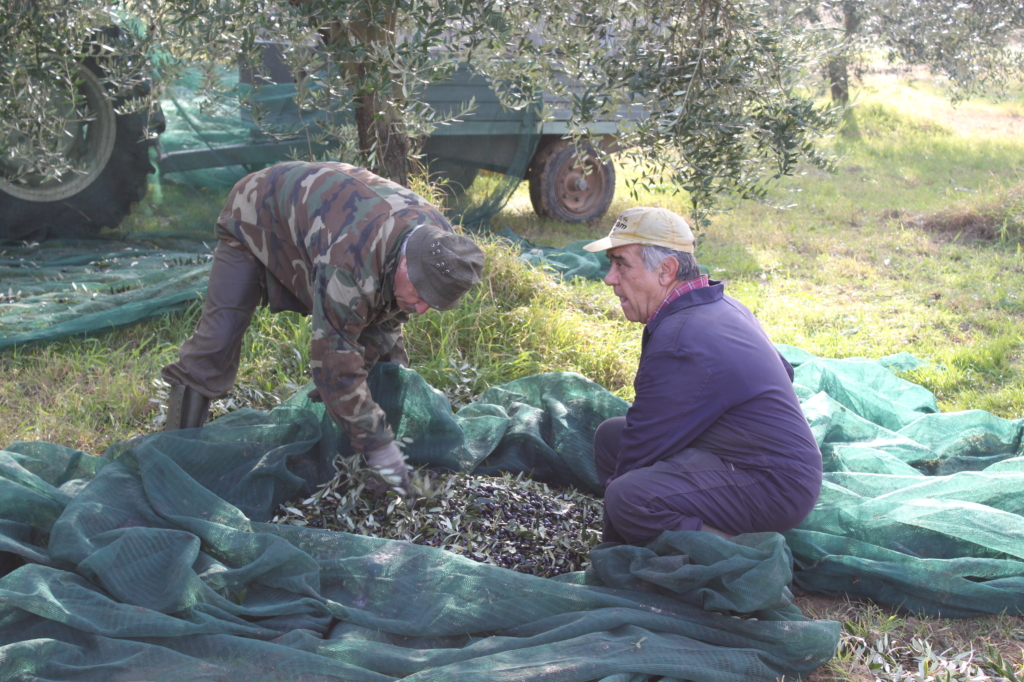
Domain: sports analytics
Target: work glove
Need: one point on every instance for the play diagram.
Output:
(389, 463)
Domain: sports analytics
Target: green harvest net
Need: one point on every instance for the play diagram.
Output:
(567, 263)
(154, 561)
(72, 287)
(919, 510)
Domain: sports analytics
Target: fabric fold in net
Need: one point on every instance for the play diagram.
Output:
(155, 560)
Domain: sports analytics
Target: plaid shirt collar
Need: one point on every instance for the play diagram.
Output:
(683, 288)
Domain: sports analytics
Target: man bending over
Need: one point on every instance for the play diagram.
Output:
(357, 252)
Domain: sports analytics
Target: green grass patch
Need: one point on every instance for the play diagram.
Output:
(521, 322)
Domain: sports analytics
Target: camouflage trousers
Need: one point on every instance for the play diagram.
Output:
(208, 361)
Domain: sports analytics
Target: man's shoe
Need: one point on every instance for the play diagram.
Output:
(186, 409)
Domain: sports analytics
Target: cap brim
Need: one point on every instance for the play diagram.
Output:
(599, 245)
(445, 306)
(609, 243)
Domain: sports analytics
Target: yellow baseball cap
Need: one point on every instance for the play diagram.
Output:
(645, 225)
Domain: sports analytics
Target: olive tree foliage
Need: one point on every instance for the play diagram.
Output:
(723, 90)
(974, 44)
(724, 95)
(43, 47)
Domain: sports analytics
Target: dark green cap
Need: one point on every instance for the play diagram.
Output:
(442, 265)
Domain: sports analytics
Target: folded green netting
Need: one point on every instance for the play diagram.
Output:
(152, 563)
(568, 262)
(919, 510)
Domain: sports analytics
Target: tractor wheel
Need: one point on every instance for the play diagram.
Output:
(563, 187)
(112, 155)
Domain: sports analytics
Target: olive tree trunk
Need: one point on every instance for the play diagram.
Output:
(838, 68)
(382, 137)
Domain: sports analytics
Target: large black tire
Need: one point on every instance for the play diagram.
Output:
(81, 206)
(563, 188)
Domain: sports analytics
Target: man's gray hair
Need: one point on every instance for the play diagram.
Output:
(654, 256)
(405, 242)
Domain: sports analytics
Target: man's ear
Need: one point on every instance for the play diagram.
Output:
(667, 271)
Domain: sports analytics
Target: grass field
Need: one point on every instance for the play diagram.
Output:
(915, 244)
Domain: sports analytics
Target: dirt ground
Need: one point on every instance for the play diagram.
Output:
(946, 636)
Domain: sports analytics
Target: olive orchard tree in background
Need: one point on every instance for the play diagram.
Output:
(724, 83)
(974, 44)
(725, 92)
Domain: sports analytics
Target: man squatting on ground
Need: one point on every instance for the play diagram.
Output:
(715, 439)
(357, 252)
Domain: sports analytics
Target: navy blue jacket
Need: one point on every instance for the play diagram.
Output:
(709, 377)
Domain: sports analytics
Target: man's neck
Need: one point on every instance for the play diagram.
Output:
(678, 290)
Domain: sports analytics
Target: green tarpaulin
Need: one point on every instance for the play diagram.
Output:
(73, 287)
(154, 561)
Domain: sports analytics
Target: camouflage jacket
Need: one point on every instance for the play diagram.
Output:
(329, 236)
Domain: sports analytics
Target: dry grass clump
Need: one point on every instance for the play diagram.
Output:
(1001, 220)
(877, 644)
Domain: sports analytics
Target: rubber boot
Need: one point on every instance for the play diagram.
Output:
(186, 409)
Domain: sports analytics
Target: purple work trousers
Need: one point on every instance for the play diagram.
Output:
(683, 492)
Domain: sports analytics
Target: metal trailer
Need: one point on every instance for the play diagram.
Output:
(489, 139)
(562, 186)
(115, 156)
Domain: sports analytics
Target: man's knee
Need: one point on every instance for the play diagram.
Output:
(624, 498)
(627, 506)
